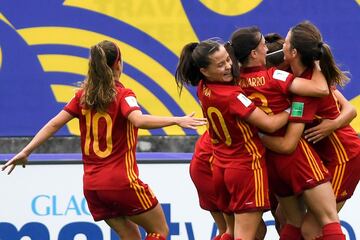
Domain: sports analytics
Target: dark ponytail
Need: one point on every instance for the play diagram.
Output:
(329, 67)
(307, 40)
(193, 57)
(187, 72)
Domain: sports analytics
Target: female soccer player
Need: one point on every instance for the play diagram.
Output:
(340, 150)
(239, 171)
(298, 173)
(109, 118)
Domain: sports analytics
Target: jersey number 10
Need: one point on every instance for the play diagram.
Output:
(92, 123)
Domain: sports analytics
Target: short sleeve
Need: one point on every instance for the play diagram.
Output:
(282, 79)
(303, 109)
(128, 102)
(73, 107)
(241, 105)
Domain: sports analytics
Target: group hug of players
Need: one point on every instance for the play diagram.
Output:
(278, 137)
(312, 159)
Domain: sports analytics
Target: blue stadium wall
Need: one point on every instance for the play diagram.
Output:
(44, 47)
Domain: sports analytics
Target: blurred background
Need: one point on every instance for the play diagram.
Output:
(44, 47)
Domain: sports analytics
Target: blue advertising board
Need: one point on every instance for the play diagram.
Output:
(56, 209)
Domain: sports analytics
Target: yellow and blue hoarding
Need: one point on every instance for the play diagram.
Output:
(44, 47)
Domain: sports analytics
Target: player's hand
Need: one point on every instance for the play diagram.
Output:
(320, 131)
(189, 121)
(18, 159)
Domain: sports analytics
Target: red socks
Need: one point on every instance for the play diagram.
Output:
(290, 232)
(154, 236)
(226, 236)
(332, 231)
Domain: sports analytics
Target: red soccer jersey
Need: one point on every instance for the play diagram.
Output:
(203, 148)
(343, 144)
(267, 88)
(288, 174)
(108, 142)
(303, 109)
(235, 143)
(336, 150)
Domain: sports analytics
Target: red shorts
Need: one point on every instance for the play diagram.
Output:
(201, 175)
(106, 204)
(345, 177)
(242, 190)
(273, 201)
(294, 173)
